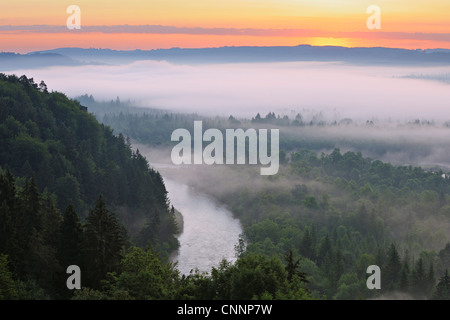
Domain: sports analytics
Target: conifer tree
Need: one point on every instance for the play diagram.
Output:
(104, 244)
(8, 289)
(419, 279)
(431, 280)
(392, 269)
(71, 238)
(52, 220)
(325, 250)
(31, 205)
(442, 291)
(8, 208)
(403, 283)
(292, 267)
(306, 246)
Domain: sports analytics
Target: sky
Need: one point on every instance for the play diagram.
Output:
(30, 25)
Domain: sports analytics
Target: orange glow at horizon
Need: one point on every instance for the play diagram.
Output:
(327, 16)
(24, 43)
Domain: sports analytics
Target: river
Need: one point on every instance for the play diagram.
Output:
(210, 231)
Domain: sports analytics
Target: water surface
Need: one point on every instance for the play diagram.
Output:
(210, 231)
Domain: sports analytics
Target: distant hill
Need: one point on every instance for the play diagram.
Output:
(363, 56)
(264, 54)
(13, 61)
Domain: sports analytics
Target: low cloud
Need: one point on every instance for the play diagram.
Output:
(243, 89)
(285, 32)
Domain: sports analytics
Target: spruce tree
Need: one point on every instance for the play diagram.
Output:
(442, 291)
(292, 267)
(325, 250)
(431, 281)
(419, 280)
(27, 235)
(8, 289)
(31, 205)
(403, 284)
(71, 238)
(306, 246)
(104, 244)
(392, 269)
(52, 220)
(8, 209)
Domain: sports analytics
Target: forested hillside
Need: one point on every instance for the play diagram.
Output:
(69, 152)
(68, 186)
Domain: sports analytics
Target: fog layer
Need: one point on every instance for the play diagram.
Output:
(243, 89)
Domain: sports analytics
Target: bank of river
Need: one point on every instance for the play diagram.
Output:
(209, 232)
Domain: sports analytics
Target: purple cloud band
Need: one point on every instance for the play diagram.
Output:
(158, 29)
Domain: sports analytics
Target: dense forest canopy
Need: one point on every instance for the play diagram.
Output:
(69, 152)
(62, 173)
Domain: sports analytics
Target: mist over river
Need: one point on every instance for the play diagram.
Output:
(210, 231)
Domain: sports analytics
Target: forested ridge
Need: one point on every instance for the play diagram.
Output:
(71, 193)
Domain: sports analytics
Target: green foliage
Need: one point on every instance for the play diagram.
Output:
(104, 244)
(253, 276)
(443, 288)
(56, 157)
(8, 289)
(29, 289)
(391, 272)
(72, 155)
(144, 277)
(71, 238)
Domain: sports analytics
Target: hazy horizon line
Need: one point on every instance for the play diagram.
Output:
(262, 32)
(220, 47)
